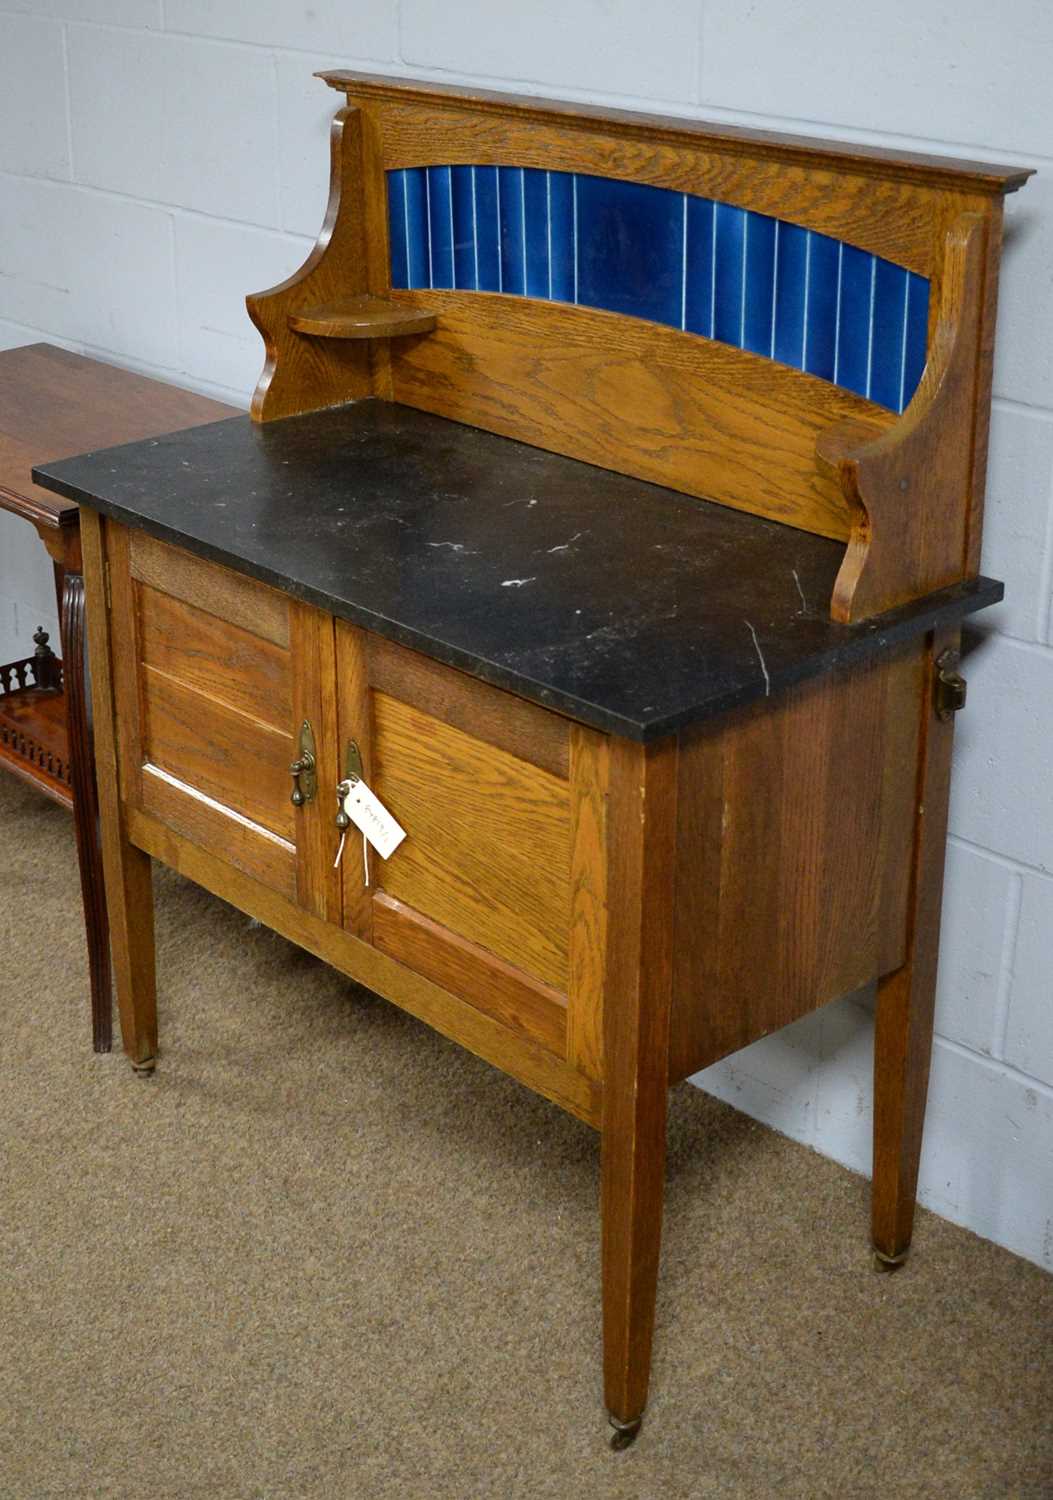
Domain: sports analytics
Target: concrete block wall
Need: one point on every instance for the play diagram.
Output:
(159, 158)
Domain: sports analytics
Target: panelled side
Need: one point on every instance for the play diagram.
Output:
(791, 863)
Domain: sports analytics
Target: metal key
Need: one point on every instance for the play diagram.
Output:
(343, 822)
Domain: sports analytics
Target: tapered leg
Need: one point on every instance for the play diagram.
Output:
(906, 999)
(129, 892)
(642, 841)
(633, 1173)
(130, 902)
(86, 810)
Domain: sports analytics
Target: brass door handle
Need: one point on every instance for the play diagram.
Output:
(299, 768)
(302, 770)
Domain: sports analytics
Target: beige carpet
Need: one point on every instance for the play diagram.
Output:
(325, 1253)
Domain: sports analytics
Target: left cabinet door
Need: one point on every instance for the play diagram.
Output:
(215, 675)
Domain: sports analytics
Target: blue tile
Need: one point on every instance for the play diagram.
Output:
(415, 205)
(765, 285)
(630, 241)
(820, 343)
(917, 334)
(886, 350)
(729, 234)
(561, 219)
(853, 340)
(791, 280)
(535, 215)
(513, 237)
(465, 262)
(440, 225)
(397, 229)
(698, 298)
(487, 228)
(760, 283)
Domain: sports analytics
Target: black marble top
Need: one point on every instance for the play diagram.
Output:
(622, 604)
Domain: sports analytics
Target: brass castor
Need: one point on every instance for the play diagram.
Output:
(145, 1068)
(624, 1434)
(886, 1263)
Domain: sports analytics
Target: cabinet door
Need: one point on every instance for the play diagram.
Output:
(498, 891)
(215, 676)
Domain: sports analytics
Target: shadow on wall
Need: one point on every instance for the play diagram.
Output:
(811, 1081)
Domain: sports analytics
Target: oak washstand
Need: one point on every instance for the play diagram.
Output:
(609, 506)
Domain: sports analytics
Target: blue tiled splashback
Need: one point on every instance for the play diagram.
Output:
(758, 283)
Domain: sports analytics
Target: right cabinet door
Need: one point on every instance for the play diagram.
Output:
(497, 892)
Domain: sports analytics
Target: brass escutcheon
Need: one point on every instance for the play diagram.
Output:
(302, 770)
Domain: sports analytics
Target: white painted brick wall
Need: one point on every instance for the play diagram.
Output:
(160, 158)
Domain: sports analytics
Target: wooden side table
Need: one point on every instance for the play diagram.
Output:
(53, 402)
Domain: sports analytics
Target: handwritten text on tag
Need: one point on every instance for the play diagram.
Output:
(369, 814)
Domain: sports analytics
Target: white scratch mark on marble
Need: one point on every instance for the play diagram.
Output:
(517, 583)
(564, 545)
(797, 581)
(453, 546)
(760, 658)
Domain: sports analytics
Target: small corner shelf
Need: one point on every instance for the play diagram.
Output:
(362, 318)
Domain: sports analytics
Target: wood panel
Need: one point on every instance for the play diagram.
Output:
(779, 878)
(317, 837)
(523, 729)
(125, 663)
(488, 847)
(464, 1023)
(984, 377)
(302, 373)
(220, 591)
(909, 489)
(222, 660)
(895, 220)
(589, 779)
(762, 145)
(636, 397)
(235, 760)
(896, 208)
(355, 711)
(496, 987)
(205, 704)
(246, 845)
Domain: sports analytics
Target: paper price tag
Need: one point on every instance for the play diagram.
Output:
(372, 818)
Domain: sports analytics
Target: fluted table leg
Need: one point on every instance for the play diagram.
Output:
(86, 811)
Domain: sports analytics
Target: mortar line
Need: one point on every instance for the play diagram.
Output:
(1010, 934)
(995, 1064)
